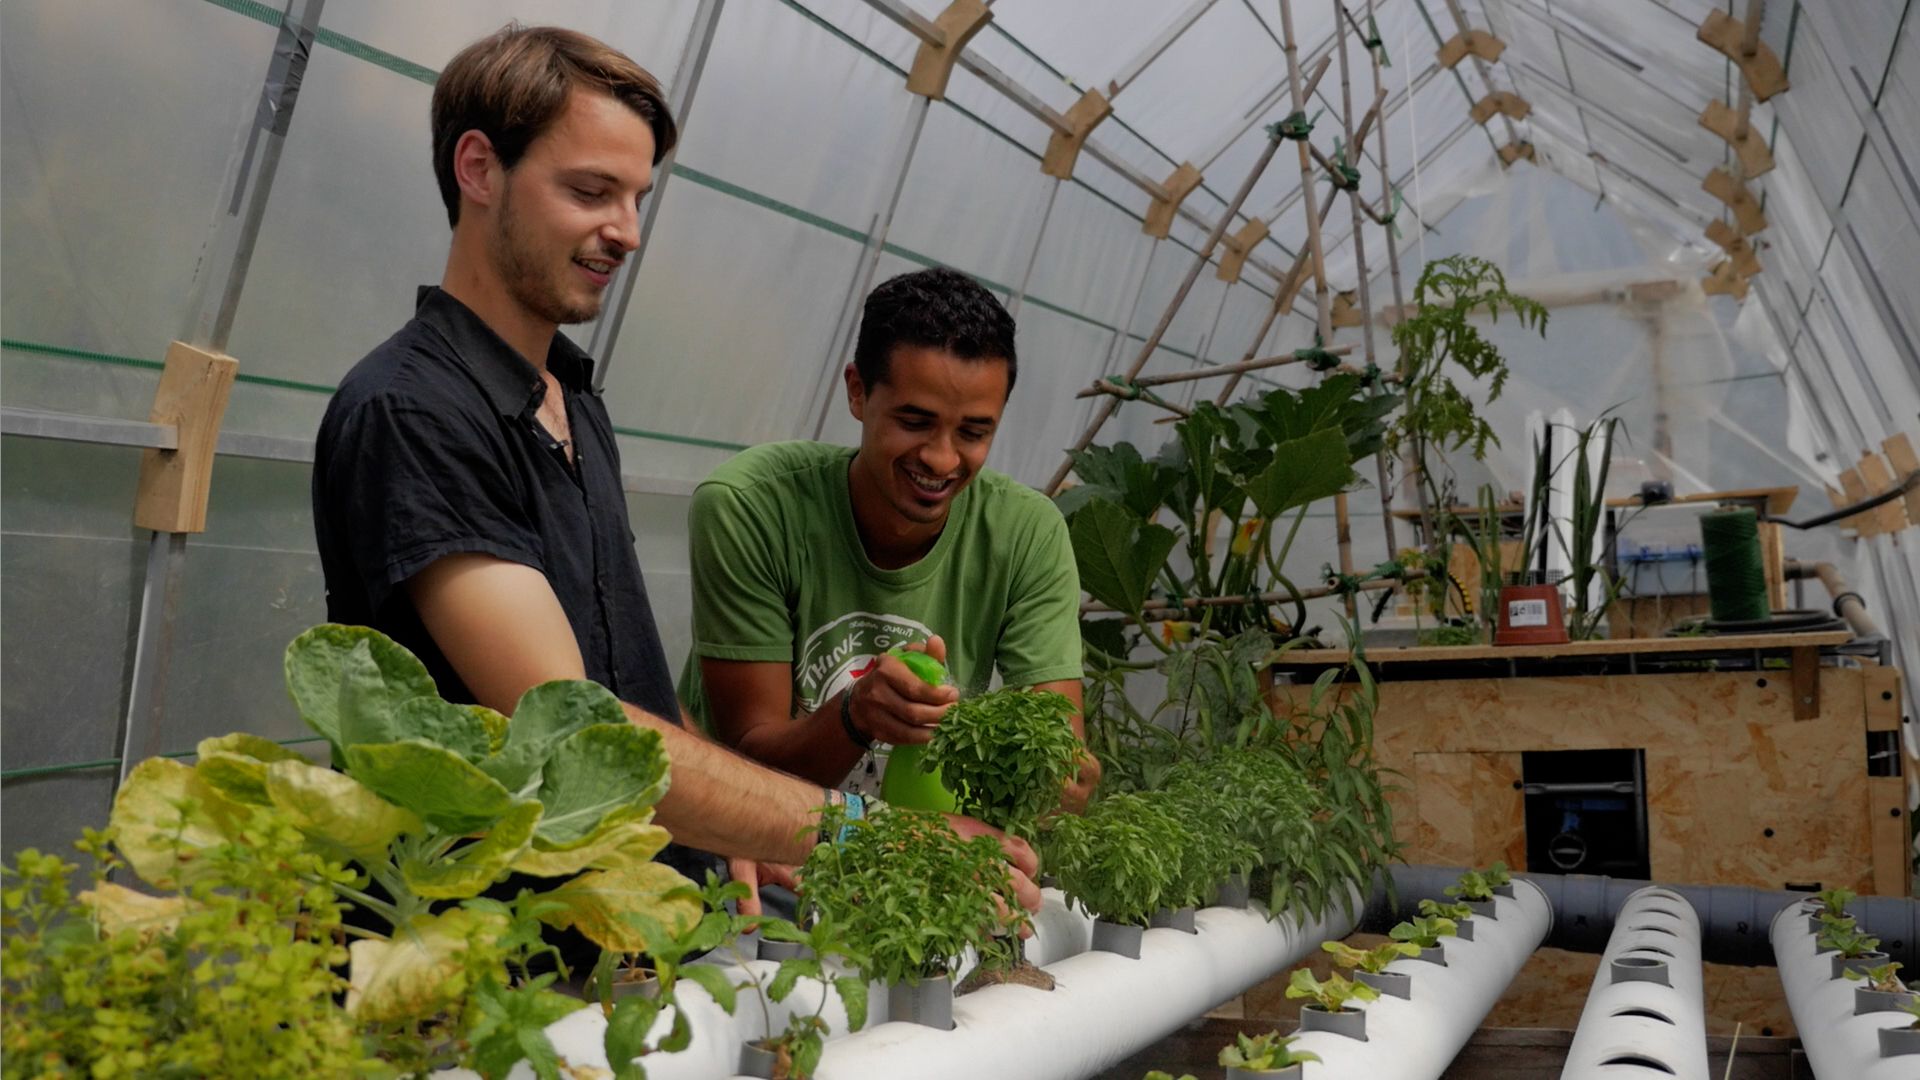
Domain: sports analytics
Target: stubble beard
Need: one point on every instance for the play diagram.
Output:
(520, 265)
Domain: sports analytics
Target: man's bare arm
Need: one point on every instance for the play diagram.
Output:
(503, 630)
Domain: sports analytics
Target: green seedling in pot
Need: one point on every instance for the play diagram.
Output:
(1829, 921)
(1881, 978)
(1497, 875)
(1425, 931)
(1434, 909)
(1006, 756)
(797, 1048)
(1849, 941)
(1157, 1074)
(1912, 1008)
(1263, 1053)
(1372, 961)
(1473, 885)
(1834, 901)
(1332, 993)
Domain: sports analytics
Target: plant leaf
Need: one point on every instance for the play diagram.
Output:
(629, 1025)
(418, 971)
(853, 994)
(616, 845)
(165, 818)
(714, 981)
(444, 788)
(1118, 553)
(120, 910)
(332, 667)
(469, 870)
(597, 903)
(334, 809)
(598, 771)
(1312, 467)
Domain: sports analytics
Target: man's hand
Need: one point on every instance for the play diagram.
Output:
(756, 874)
(891, 704)
(1023, 864)
(1079, 789)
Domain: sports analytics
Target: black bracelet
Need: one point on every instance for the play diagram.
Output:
(854, 734)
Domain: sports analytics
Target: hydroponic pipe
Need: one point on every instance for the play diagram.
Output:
(1103, 1008)
(1837, 1042)
(1846, 603)
(1417, 1037)
(1645, 1016)
(1733, 918)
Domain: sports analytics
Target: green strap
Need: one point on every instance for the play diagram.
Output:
(1345, 176)
(1129, 390)
(1296, 126)
(1317, 358)
(1372, 41)
(1341, 584)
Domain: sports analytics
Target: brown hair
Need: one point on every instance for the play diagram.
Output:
(512, 85)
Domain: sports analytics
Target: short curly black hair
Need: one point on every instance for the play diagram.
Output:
(935, 308)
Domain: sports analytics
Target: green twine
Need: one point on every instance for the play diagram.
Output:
(1127, 390)
(1317, 358)
(1373, 41)
(1344, 585)
(1736, 573)
(1295, 126)
(1345, 176)
(1370, 378)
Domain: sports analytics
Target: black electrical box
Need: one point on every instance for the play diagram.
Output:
(1586, 812)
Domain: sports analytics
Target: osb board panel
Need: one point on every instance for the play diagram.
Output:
(1470, 811)
(1726, 763)
(1652, 616)
(1552, 988)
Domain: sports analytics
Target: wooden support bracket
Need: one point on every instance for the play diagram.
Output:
(1501, 103)
(1345, 312)
(1887, 824)
(1239, 246)
(1762, 69)
(1853, 489)
(1747, 214)
(1515, 151)
(192, 396)
(933, 65)
(1063, 149)
(1161, 212)
(1804, 669)
(1746, 261)
(1889, 516)
(1899, 451)
(1478, 42)
(1755, 158)
(1773, 563)
(1725, 280)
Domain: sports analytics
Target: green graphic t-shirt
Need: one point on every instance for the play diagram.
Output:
(779, 574)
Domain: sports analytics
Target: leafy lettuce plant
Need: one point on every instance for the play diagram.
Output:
(1006, 755)
(1472, 886)
(435, 803)
(1880, 978)
(1458, 912)
(909, 896)
(1372, 961)
(1848, 941)
(1834, 901)
(1330, 994)
(1425, 931)
(1263, 1053)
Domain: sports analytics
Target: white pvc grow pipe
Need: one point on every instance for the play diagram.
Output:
(1837, 1043)
(1103, 1008)
(1417, 1038)
(1645, 1016)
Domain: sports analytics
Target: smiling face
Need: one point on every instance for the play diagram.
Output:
(569, 209)
(924, 434)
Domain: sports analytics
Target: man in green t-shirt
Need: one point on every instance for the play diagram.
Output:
(811, 561)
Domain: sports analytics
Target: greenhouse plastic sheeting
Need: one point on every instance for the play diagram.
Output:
(119, 122)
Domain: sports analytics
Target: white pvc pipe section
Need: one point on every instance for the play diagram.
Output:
(1417, 1038)
(1632, 1024)
(1837, 1043)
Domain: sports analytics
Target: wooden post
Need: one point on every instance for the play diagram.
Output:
(933, 64)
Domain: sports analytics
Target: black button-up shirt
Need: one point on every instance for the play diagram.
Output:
(431, 448)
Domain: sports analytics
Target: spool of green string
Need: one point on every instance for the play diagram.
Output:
(1736, 574)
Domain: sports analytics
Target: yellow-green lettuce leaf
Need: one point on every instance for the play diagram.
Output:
(165, 819)
(444, 788)
(119, 910)
(336, 810)
(420, 970)
(596, 903)
(470, 869)
(616, 845)
(599, 771)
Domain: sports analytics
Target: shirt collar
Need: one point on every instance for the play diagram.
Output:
(511, 383)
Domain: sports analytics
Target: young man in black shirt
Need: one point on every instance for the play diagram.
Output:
(466, 484)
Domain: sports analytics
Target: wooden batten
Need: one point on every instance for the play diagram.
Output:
(1477, 42)
(1755, 158)
(192, 397)
(1161, 212)
(1345, 312)
(933, 65)
(1889, 516)
(1746, 261)
(1763, 69)
(1063, 149)
(1900, 454)
(1501, 103)
(1239, 245)
(1725, 280)
(1515, 151)
(1747, 215)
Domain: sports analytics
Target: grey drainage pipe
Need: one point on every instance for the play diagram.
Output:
(1734, 919)
(1645, 1016)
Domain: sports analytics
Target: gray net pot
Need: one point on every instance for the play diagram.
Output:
(1235, 892)
(1117, 938)
(1351, 1023)
(1291, 1072)
(756, 1061)
(1463, 930)
(781, 950)
(1391, 983)
(1504, 890)
(1857, 963)
(1868, 1000)
(1482, 909)
(1180, 918)
(1435, 955)
(928, 1003)
(1899, 1041)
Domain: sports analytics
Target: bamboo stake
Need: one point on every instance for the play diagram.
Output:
(1242, 367)
(1343, 538)
(1356, 203)
(1161, 609)
(1399, 294)
(1319, 264)
(1109, 405)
